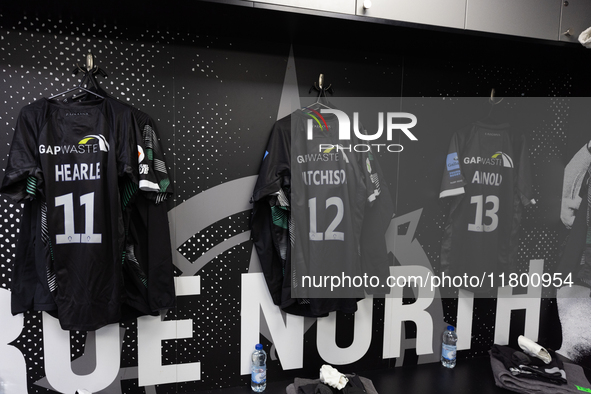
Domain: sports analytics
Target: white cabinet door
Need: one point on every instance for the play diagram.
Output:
(525, 18)
(340, 6)
(576, 17)
(447, 13)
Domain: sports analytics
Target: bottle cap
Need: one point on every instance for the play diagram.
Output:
(258, 346)
(450, 328)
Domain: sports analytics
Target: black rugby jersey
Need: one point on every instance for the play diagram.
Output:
(488, 176)
(80, 161)
(310, 202)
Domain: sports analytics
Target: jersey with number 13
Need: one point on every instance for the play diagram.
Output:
(488, 175)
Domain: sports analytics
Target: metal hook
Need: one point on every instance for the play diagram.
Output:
(319, 87)
(89, 61)
(492, 97)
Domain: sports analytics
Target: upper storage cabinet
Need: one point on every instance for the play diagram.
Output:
(447, 13)
(525, 18)
(340, 6)
(576, 17)
(543, 19)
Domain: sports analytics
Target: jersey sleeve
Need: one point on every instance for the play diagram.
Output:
(453, 181)
(574, 174)
(372, 173)
(24, 280)
(147, 267)
(23, 173)
(379, 210)
(274, 173)
(153, 171)
(377, 217)
(524, 177)
(369, 167)
(270, 214)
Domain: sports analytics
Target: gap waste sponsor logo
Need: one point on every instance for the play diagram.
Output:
(507, 161)
(497, 159)
(102, 141)
(89, 144)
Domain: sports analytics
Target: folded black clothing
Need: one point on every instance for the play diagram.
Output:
(355, 385)
(577, 381)
(367, 384)
(519, 363)
(322, 388)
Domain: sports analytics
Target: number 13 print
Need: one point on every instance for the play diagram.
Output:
(492, 205)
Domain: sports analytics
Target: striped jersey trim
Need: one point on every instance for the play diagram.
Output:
(452, 192)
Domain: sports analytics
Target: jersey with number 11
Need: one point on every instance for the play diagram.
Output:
(74, 158)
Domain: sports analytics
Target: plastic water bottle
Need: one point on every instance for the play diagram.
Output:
(448, 347)
(258, 375)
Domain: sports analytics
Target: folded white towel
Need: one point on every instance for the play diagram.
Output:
(585, 38)
(531, 348)
(332, 377)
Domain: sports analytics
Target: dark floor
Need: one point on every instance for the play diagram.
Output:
(469, 376)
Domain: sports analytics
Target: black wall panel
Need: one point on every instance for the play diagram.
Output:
(212, 77)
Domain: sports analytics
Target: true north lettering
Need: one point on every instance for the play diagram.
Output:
(77, 172)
